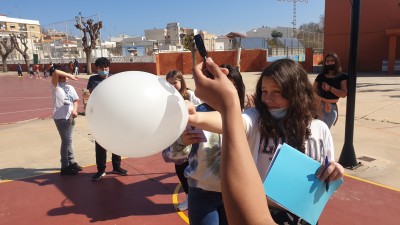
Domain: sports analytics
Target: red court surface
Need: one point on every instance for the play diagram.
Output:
(145, 195)
(142, 197)
(27, 98)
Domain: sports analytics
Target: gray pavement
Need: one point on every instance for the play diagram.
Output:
(31, 148)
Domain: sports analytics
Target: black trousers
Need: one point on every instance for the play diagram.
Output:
(286, 218)
(180, 172)
(101, 158)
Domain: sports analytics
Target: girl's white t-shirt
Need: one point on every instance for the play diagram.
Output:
(318, 145)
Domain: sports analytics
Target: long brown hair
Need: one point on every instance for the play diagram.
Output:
(297, 89)
(177, 74)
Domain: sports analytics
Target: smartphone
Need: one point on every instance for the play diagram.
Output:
(201, 48)
(195, 130)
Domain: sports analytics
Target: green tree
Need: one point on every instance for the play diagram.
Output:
(189, 44)
(276, 34)
(274, 41)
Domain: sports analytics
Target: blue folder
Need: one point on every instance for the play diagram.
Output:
(291, 183)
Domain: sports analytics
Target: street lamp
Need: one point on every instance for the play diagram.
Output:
(79, 19)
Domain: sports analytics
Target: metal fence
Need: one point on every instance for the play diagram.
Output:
(114, 59)
(62, 43)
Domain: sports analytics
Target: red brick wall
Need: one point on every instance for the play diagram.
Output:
(121, 67)
(251, 61)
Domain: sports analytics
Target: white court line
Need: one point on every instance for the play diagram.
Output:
(73, 81)
(23, 98)
(29, 110)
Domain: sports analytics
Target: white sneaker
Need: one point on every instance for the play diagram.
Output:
(183, 205)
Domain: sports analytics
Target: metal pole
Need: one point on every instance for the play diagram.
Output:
(239, 52)
(101, 48)
(348, 156)
(66, 34)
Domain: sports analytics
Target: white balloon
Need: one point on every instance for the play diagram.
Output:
(136, 114)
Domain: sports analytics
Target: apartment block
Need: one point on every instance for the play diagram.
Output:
(31, 28)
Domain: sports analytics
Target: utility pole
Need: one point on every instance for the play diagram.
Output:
(101, 48)
(294, 26)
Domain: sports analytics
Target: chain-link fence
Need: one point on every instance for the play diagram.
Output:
(310, 39)
(62, 41)
(294, 47)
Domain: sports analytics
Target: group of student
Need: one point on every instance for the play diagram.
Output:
(65, 106)
(285, 108)
(222, 168)
(34, 70)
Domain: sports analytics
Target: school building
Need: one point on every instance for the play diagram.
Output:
(379, 47)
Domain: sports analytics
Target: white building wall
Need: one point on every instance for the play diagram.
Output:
(156, 34)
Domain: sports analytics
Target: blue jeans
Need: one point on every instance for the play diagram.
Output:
(329, 118)
(206, 207)
(65, 129)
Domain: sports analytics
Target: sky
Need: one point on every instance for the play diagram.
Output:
(132, 17)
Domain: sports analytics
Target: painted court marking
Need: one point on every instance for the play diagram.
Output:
(175, 202)
(28, 110)
(186, 219)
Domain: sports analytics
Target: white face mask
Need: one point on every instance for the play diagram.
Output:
(62, 83)
(278, 113)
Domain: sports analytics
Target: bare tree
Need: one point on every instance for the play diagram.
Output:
(91, 33)
(311, 34)
(24, 41)
(6, 47)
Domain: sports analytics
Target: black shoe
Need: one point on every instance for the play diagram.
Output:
(98, 175)
(76, 166)
(69, 171)
(120, 171)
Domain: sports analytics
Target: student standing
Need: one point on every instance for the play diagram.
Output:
(242, 190)
(103, 72)
(331, 85)
(65, 106)
(19, 70)
(176, 79)
(206, 206)
(286, 111)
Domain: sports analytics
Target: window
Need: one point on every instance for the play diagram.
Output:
(22, 27)
(12, 26)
